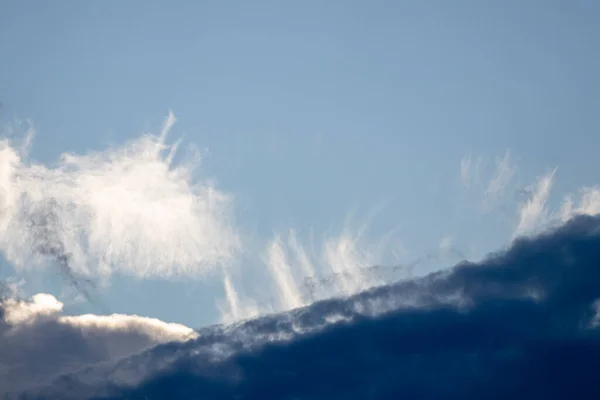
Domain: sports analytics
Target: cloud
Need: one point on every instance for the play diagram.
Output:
(38, 343)
(495, 182)
(288, 293)
(502, 176)
(18, 312)
(470, 170)
(519, 324)
(298, 272)
(589, 204)
(533, 214)
(130, 209)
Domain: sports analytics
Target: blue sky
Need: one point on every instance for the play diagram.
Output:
(308, 110)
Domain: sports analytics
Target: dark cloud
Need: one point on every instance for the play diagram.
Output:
(517, 325)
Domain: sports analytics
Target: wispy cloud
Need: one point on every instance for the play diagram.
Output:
(499, 191)
(492, 180)
(534, 214)
(470, 170)
(298, 273)
(129, 209)
(38, 342)
(502, 177)
(589, 203)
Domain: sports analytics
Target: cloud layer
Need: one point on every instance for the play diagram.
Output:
(520, 324)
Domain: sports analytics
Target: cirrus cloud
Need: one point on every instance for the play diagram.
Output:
(130, 209)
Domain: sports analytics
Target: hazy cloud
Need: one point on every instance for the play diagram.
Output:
(502, 176)
(470, 170)
(494, 181)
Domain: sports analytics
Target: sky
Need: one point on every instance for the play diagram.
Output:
(305, 113)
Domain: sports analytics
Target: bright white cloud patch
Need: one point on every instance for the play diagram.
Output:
(19, 312)
(43, 305)
(130, 209)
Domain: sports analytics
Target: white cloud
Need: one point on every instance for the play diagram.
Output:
(534, 214)
(130, 209)
(37, 342)
(20, 312)
(345, 263)
(235, 307)
(288, 292)
(589, 204)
